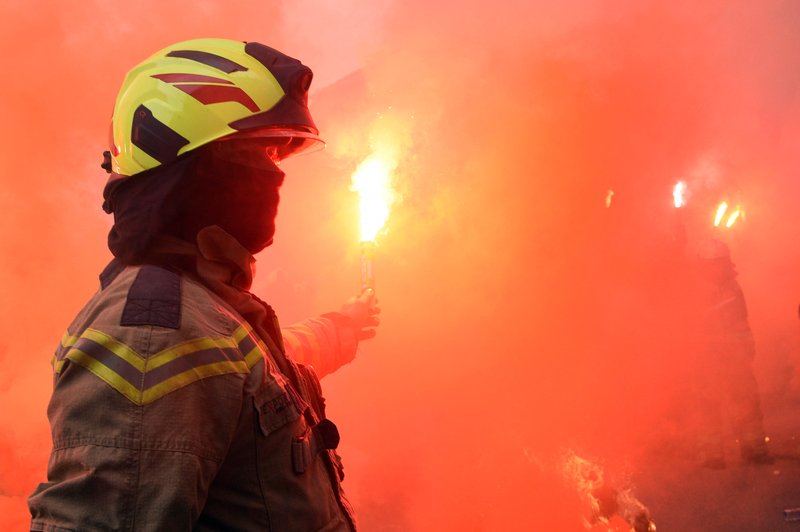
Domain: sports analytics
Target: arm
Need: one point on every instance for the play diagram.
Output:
(331, 340)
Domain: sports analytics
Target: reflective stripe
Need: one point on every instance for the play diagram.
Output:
(253, 357)
(57, 361)
(249, 344)
(167, 356)
(106, 374)
(190, 361)
(252, 353)
(118, 348)
(112, 360)
(67, 340)
(242, 332)
(187, 377)
(144, 380)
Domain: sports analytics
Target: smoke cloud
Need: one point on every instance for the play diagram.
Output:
(522, 316)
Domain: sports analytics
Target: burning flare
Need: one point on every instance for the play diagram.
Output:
(733, 217)
(722, 210)
(609, 197)
(373, 182)
(679, 194)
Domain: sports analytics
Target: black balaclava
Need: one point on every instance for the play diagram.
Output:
(233, 184)
(138, 206)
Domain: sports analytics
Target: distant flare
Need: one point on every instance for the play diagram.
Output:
(735, 215)
(722, 208)
(609, 197)
(679, 194)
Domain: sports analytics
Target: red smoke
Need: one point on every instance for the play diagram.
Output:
(521, 316)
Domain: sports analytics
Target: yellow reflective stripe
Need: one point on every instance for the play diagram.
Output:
(111, 377)
(68, 340)
(143, 365)
(255, 354)
(241, 333)
(195, 374)
(192, 346)
(115, 346)
(252, 358)
(244, 331)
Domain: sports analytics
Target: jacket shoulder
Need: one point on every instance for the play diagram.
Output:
(152, 331)
(149, 295)
(154, 298)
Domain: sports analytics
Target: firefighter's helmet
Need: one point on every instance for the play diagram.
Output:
(712, 249)
(199, 91)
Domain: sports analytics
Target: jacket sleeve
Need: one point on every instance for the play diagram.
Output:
(122, 463)
(327, 342)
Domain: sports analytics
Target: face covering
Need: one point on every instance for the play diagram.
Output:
(232, 184)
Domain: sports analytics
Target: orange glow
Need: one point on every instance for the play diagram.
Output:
(517, 313)
(679, 194)
(373, 182)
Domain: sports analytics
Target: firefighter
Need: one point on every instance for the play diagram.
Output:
(725, 387)
(178, 403)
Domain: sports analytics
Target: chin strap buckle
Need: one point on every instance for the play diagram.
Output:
(106, 164)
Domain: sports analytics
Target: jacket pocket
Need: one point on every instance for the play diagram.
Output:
(275, 410)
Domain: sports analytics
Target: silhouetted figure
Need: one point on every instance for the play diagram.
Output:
(723, 384)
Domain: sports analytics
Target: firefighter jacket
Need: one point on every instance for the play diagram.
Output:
(724, 322)
(175, 408)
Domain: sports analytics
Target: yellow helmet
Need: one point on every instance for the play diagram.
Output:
(199, 91)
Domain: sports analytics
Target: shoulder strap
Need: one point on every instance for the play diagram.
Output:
(154, 298)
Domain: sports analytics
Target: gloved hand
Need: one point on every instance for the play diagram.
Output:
(363, 311)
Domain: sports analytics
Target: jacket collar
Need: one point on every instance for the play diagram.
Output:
(220, 259)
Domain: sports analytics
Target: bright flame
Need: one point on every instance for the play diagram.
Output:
(373, 182)
(733, 217)
(721, 210)
(679, 194)
(609, 197)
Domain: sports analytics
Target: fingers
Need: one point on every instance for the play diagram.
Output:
(368, 297)
(366, 334)
(363, 310)
(368, 330)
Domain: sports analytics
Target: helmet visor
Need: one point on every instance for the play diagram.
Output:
(282, 142)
